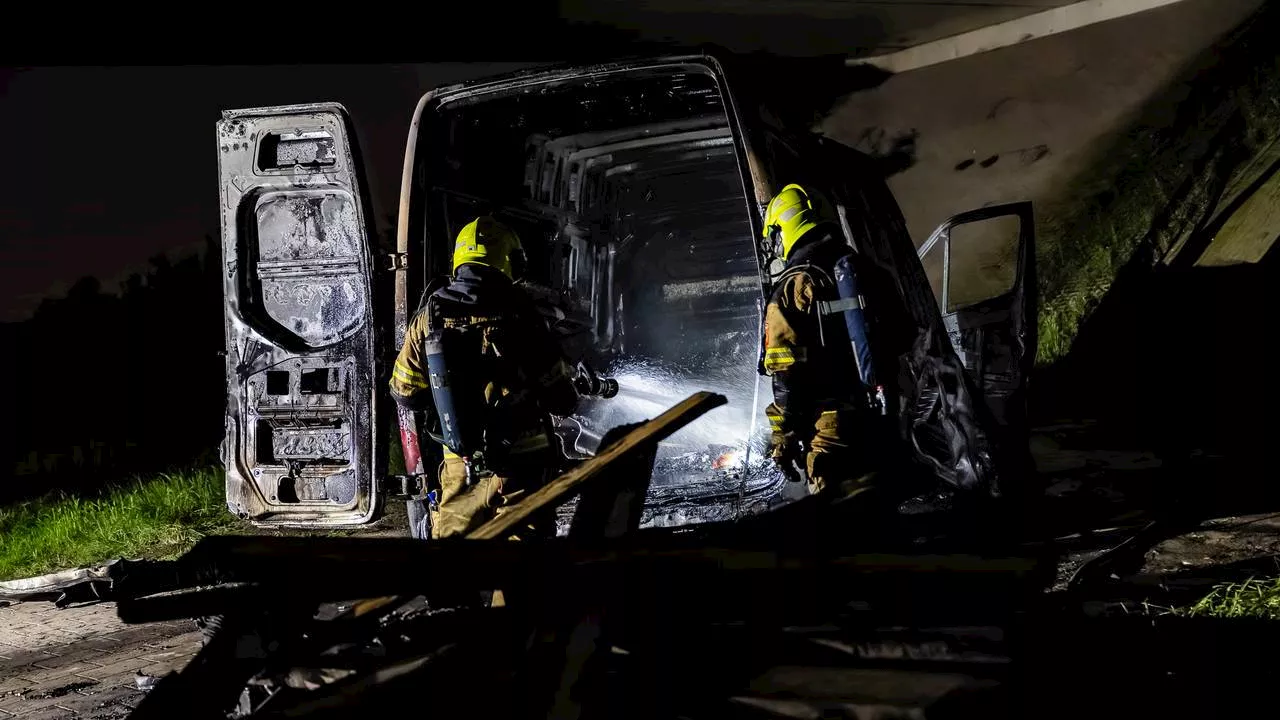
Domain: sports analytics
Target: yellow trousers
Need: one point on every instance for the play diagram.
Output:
(462, 508)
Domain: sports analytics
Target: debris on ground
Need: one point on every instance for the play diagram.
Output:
(145, 682)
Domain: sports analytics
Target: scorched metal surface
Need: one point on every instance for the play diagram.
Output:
(301, 337)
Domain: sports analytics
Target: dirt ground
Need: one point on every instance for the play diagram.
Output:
(1218, 542)
(1113, 489)
(83, 662)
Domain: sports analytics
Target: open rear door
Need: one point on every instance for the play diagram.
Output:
(981, 265)
(301, 442)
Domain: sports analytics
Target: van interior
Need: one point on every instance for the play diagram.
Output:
(626, 189)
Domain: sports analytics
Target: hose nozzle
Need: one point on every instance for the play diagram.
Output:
(590, 384)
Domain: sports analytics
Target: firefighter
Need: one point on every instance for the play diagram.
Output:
(516, 366)
(823, 419)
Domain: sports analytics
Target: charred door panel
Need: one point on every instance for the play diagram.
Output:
(308, 264)
(300, 448)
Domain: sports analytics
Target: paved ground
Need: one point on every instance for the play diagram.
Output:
(81, 661)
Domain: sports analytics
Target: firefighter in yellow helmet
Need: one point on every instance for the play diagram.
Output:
(822, 418)
(499, 374)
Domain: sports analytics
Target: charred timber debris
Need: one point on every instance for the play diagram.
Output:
(796, 613)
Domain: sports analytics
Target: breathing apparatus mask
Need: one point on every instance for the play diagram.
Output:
(519, 264)
(775, 264)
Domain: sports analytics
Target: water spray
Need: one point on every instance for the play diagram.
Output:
(647, 388)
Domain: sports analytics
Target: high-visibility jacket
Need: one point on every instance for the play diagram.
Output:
(524, 371)
(812, 383)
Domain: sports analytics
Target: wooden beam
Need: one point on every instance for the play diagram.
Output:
(565, 486)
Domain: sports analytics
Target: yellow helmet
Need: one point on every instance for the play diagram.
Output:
(791, 214)
(486, 241)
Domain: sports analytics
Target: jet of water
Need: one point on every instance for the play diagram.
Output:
(646, 389)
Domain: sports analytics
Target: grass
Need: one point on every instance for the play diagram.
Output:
(1157, 182)
(157, 517)
(1252, 598)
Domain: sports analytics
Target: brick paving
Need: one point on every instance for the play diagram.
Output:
(80, 661)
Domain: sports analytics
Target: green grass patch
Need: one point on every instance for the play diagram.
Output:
(157, 517)
(1159, 180)
(1253, 598)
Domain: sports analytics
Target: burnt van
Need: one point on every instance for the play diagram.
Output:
(638, 188)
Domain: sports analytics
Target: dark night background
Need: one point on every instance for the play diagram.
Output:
(110, 309)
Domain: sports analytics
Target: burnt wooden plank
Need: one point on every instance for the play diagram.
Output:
(615, 509)
(563, 487)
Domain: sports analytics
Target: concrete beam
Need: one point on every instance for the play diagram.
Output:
(1029, 27)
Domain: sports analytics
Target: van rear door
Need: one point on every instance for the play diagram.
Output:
(301, 444)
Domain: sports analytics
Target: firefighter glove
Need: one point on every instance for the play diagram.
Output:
(786, 452)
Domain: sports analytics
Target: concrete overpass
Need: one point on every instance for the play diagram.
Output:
(1019, 122)
(803, 27)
